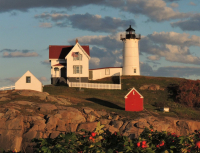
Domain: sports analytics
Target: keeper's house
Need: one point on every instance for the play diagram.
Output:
(69, 63)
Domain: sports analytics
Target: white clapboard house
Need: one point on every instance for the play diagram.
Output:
(69, 63)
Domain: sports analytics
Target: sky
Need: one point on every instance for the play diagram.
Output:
(169, 45)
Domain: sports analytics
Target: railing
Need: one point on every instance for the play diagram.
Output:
(8, 87)
(94, 85)
(134, 36)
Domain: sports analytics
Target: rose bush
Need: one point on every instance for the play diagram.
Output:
(149, 141)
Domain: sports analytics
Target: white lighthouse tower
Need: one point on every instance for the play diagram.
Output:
(130, 53)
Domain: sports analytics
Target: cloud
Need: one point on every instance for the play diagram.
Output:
(155, 10)
(20, 54)
(154, 57)
(192, 3)
(94, 23)
(42, 79)
(171, 0)
(12, 79)
(169, 71)
(94, 62)
(191, 24)
(46, 62)
(8, 5)
(174, 5)
(45, 25)
(172, 46)
(14, 50)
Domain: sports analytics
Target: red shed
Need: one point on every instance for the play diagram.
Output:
(133, 101)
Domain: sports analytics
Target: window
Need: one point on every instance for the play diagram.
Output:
(134, 70)
(107, 71)
(77, 57)
(77, 78)
(28, 79)
(56, 69)
(77, 69)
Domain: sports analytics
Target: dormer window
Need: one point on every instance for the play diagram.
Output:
(77, 56)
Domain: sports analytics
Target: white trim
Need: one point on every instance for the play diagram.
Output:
(82, 50)
(131, 91)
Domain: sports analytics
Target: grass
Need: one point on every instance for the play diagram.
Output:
(113, 100)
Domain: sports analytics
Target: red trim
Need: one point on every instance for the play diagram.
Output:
(105, 68)
(60, 52)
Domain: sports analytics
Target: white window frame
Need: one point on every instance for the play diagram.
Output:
(79, 58)
(77, 69)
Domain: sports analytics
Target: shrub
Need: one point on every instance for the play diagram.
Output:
(188, 93)
(101, 141)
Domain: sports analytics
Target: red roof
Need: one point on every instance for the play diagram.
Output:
(60, 52)
(60, 64)
(105, 68)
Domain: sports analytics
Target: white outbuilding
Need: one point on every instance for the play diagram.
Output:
(28, 82)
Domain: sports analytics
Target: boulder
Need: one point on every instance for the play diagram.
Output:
(91, 118)
(72, 115)
(151, 87)
(87, 110)
(11, 139)
(117, 124)
(52, 123)
(24, 103)
(51, 98)
(71, 127)
(1, 115)
(87, 126)
(102, 113)
(41, 95)
(104, 121)
(144, 87)
(63, 101)
(47, 108)
(4, 99)
(154, 87)
(95, 114)
(115, 117)
(11, 113)
(3, 94)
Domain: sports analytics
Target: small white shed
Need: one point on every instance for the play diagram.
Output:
(28, 82)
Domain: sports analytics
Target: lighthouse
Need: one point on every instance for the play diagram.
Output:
(130, 52)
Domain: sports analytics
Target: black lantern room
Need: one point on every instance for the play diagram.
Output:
(130, 33)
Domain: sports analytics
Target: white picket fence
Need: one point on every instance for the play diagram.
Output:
(94, 85)
(8, 88)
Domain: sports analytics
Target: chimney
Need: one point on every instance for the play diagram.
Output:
(76, 41)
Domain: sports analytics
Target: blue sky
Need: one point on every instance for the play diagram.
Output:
(169, 46)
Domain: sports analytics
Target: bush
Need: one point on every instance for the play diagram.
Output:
(149, 141)
(188, 93)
